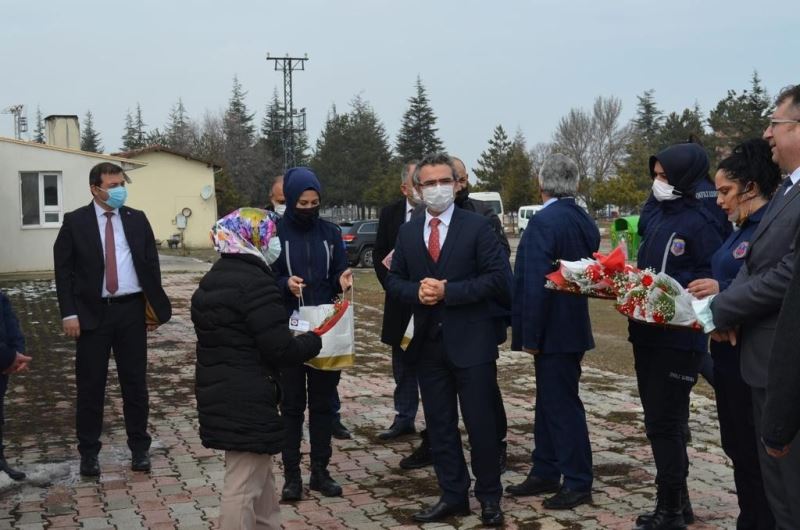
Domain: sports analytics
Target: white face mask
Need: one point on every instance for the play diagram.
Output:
(279, 208)
(273, 250)
(663, 191)
(438, 198)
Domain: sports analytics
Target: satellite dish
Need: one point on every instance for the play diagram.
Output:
(206, 192)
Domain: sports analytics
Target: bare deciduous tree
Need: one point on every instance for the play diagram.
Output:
(595, 141)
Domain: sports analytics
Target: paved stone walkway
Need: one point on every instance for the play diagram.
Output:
(183, 489)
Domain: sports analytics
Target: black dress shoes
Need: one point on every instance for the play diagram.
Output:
(421, 457)
(140, 461)
(90, 466)
(491, 514)
(340, 432)
(397, 430)
(441, 510)
(533, 486)
(567, 499)
(13, 474)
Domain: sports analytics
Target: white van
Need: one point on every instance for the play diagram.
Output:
(524, 214)
(491, 198)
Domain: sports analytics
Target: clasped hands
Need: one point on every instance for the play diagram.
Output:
(431, 291)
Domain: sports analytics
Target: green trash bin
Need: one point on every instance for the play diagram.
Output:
(626, 229)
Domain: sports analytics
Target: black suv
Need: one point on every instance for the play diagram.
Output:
(359, 239)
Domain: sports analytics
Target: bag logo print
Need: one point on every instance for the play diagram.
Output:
(678, 247)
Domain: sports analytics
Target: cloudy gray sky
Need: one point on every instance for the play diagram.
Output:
(522, 64)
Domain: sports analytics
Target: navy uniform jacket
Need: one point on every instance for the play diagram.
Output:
(478, 276)
(542, 319)
(685, 234)
(11, 338)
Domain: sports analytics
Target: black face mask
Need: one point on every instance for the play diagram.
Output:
(306, 214)
(461, 196)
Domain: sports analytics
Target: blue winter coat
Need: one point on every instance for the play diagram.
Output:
(312, 250)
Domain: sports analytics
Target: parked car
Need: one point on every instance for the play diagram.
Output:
(359, 240)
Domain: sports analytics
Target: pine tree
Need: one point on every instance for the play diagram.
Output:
(129, 138)
(90, 138)
(140, 136)
(179, 129)
(353, 156)
(271, 126)
(39, 131)
(417, 136)
(517, 183)
(647, 122)
(493, 161)
(247, 175)
(738, 117)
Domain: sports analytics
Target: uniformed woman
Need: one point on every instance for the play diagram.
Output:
(745, 182)
(679, 239)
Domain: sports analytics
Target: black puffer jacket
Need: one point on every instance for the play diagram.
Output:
(243, 339)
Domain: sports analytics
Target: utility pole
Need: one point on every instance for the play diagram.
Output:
(291, 121)
(20, 121)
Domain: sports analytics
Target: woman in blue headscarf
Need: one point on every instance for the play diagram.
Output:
(243, 343)
(312, 265)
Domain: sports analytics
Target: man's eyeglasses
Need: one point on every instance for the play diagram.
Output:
(437, 182)
(775, 121)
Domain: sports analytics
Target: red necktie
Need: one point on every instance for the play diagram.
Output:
(433, 239)
(112, 283)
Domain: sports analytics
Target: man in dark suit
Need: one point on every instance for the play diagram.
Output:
(753, 302)
(107, 279)
(556, 330)
(449, 266)
(396, 315)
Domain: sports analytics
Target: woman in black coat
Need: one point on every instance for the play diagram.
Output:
(243, 340)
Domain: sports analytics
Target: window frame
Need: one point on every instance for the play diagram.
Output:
(44, 209)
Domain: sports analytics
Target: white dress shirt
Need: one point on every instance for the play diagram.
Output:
(409, 211)
(445, 218)
(795, 176)
(128, 281)
(549, 201)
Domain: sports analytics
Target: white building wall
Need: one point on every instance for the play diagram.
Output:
(31, 249)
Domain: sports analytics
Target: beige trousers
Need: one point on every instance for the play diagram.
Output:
(249, 499)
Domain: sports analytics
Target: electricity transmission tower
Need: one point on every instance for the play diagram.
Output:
(289, 121)
(20, 121)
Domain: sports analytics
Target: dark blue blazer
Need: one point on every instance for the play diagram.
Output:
(542, 319)
(478, 282)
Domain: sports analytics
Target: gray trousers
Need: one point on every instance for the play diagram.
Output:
(781, 475)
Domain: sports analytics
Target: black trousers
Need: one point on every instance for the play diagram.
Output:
(445, 387)
(665, 377)
(739, 439)
(297, 383)
(3, 388)
(122, 329)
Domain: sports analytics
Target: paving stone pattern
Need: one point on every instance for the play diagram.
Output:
(183, 489)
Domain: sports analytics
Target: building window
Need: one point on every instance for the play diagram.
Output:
(41, 198)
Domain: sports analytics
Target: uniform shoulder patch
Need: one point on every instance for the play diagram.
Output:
(741, 250)
(678, 247)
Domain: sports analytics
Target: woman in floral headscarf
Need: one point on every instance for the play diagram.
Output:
(242, 342)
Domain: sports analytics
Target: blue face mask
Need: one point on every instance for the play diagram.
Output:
(273, 250)
(116, 197)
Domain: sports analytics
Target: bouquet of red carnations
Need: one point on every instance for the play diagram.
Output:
(655, 298)
(597, 277)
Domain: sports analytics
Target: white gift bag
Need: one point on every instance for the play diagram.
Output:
(338, 343)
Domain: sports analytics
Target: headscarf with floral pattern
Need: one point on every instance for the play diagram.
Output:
(245, 231)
